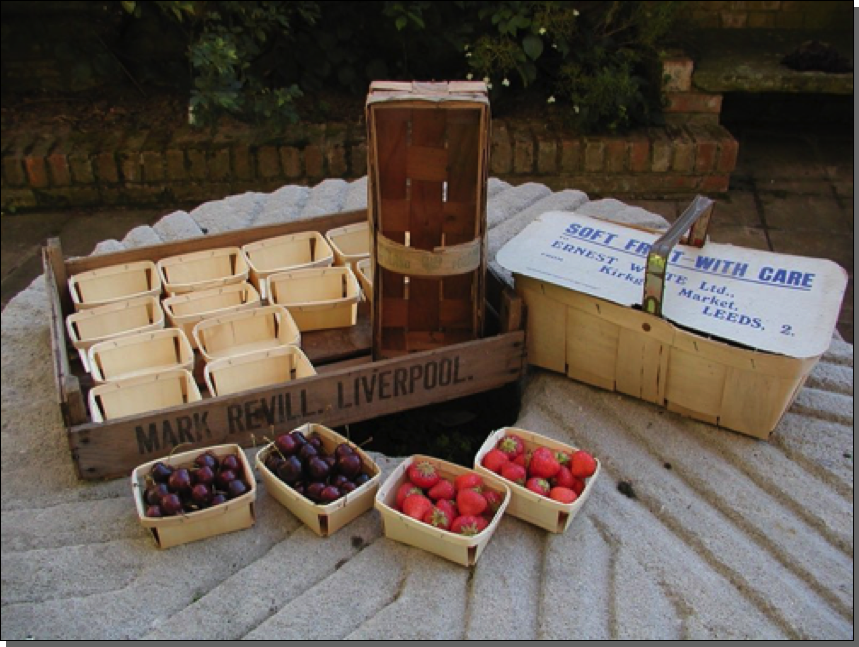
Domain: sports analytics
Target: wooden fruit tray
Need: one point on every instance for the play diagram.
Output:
(349, 387)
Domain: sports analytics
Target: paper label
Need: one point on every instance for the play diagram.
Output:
(442, 261)
(774, 302)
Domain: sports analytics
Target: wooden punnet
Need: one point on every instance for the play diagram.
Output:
(364, 274)
(246, 331)
(114, 283)
(94, 325)
(350, 244)
(187, 310)
(318, 298)
(235, 514)
(203, 270)
(457, 548)
(530, 506)
(139, 354)
(428, 148)
(254, 370)
(326, 519)
(349, 386)
(142, 394)
(282, 253)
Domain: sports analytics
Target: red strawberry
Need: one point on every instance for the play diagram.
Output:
(578, 486)
(468, 525)
(405, 490)
(493, 499)
(470, 502)
(438, 518)
(494, 460)
(423, 474)
(448, 507)
(468, 481)
(511, 445)
(416, 506)
(515, 473)
(563, 457)
(522, 459)
(562, 494)
(538, 485)
(441, 490)
(583, 464)
(564, 478)
(544, 465)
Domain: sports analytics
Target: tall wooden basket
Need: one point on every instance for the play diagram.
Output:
(427, 163)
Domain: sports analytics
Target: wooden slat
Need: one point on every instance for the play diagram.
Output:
(428, 131)
(427, 163)
(114, 448)
(326, 346)
(396, 214)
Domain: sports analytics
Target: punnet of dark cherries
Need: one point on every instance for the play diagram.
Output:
(207, 482)
(303, 464)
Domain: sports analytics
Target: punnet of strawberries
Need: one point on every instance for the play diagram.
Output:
(464, 505)
(553, 473)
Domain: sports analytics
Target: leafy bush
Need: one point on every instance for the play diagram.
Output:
(589, 59)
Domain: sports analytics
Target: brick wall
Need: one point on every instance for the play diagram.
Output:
(772, 15)
(188, 166)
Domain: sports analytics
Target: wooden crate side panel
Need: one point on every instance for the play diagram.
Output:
(546, 331)
(592, 349)
(641, 366)
(695, 384)
(340, 397)
(754, 403)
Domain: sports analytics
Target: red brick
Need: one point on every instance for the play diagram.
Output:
(81, 169)
(131, 167)
(793, 20)
(58, 165)
(501, 151)
(314, 161)
(705, 19)
(267, 159)
(242, 162)
(196, 163)
(547, 155)
(734, 19)
(639, 154)
(358, 159)
(176, 165)
(336, 157)
(523, 152)
(705, 152)
(728, 150)
(18, 199)
(615, 155)
(693, 102)
(108, 171)
(594, 155)
(571, 155)
(661, 150)
(761, 20)
(290, 160)
(218, 164)
(153, 166)
(715, 184)
(684, 150)
(677, 73)
(37, 171)
(13, 171)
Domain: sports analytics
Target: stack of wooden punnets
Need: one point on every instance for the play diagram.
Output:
(243, 308)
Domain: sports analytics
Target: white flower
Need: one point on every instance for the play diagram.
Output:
(550, 100)
(542, 31)
(468, 55)
(506, 83)
(486, 79)
(575, 12)
(467, 47)
(488, 86)
(576, 109)
(469, 76)
(554, 45)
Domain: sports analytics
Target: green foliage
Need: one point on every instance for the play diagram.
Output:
(589, 59)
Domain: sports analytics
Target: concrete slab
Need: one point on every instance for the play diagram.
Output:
(723, 536)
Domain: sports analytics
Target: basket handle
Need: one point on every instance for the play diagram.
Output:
(695, 220)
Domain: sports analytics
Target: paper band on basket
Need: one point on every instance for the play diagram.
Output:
(441, 261)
